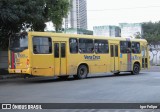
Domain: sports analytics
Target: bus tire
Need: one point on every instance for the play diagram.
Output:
(82, 72)
(136, 69)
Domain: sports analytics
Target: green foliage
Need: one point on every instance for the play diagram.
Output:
(151, 32)
(16, 15)
(138, 35)
(19, 15)
(57, 10)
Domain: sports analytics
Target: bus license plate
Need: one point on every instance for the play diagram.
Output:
(18, 71)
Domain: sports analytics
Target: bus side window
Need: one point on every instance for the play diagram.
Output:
(136, 47)
(35, 49)
(80, 50)
(42, 45)
(101, 46)
(73, 44)
(133, 50)
(129, 47)
(56, 50)
(125, 47)
(86, 45)
(128, 50)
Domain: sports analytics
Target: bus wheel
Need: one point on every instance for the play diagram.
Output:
(136, 69)
(82, 72)
(64, 77)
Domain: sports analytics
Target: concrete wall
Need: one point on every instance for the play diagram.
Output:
(3, 62)
(155, 57)
(3, 59)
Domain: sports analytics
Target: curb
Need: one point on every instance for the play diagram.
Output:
(3, 72)
(9, 76)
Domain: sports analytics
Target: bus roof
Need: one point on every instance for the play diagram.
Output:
(51, 34)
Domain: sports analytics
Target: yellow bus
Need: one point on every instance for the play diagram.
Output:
(58, 54)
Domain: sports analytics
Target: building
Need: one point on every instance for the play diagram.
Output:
(77, 17)
(78, 31)
(110, 31)
(130, 30)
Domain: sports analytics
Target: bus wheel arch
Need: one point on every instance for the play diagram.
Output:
(136, 68)
(82, 71)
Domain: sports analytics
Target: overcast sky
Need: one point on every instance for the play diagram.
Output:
(112, 12)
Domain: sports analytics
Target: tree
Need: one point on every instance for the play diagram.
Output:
(151, 32)
(57, 10)
(137, 35)
(19, 15)
(16, 15)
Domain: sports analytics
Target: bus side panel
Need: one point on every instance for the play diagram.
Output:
(137, 58)
(124, 62)
(42, 65)
(96, 62)
(72, 70)
(102, 65)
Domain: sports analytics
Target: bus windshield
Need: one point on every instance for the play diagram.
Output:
(18, 42)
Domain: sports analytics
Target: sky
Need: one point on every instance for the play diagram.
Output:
(113, 12)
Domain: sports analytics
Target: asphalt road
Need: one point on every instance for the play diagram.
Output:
(97, 88)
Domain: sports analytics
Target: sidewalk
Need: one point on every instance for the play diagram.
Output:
(5, 75)
(153, 69)
(9, 76)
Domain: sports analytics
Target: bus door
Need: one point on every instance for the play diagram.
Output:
(114, 57)
(144, 57)
(60, 58)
